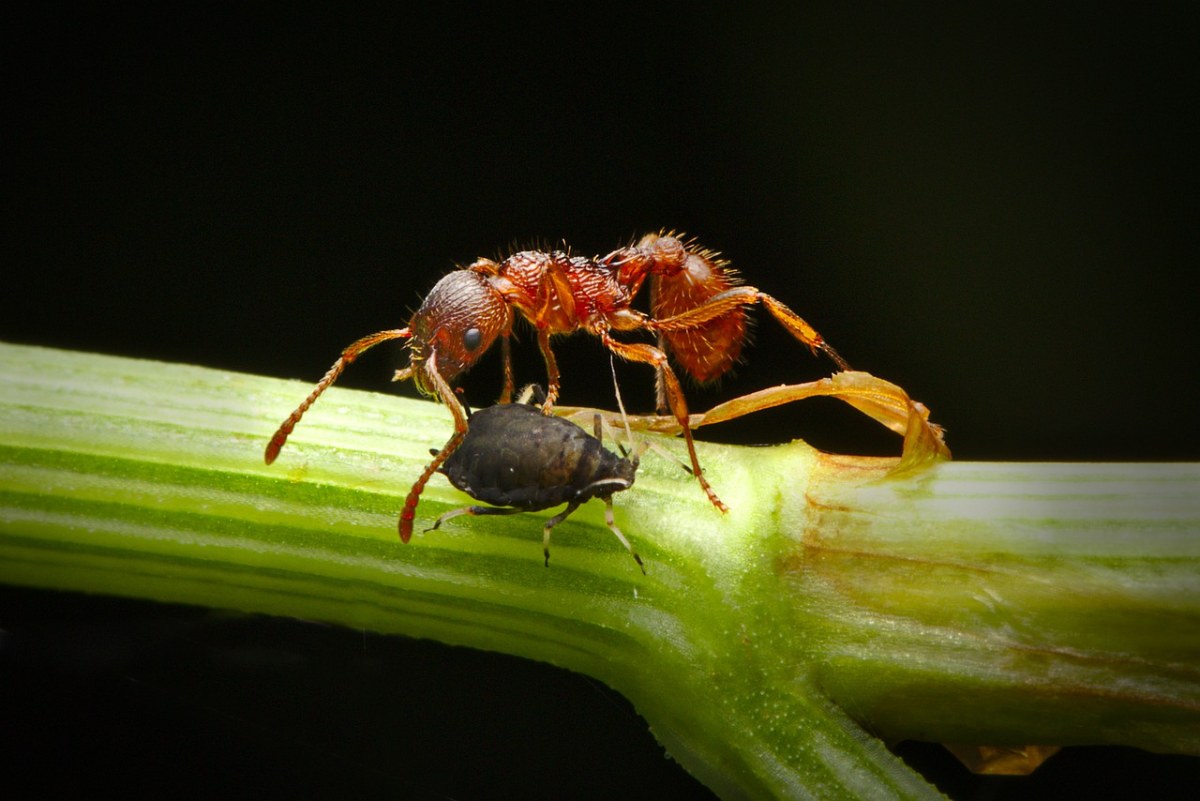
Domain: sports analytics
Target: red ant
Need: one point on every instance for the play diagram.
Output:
(697, 309)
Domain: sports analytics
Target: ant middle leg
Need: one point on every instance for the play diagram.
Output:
(552, 380)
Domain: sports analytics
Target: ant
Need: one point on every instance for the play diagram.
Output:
(697, 309)
(520, 460)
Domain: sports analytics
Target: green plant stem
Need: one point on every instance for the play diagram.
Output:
(972, 603)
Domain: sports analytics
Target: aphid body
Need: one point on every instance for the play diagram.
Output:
(520, 460)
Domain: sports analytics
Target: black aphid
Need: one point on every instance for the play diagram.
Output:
(520, 460)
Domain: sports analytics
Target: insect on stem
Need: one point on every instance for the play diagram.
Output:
(698, 308)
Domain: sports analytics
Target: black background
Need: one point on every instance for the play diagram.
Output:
(992, 207)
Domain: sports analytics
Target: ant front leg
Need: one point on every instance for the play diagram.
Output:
(460, 431)
(648, 354)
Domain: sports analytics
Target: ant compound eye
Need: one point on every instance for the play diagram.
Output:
(472, 338)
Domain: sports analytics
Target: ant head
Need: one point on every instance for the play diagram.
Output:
(458, 321)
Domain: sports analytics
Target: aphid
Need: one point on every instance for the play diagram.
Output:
(697, 310)
(520, 460)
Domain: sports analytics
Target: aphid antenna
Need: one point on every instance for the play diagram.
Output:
(634, 448)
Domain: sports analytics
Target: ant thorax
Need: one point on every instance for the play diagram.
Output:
(563, 293)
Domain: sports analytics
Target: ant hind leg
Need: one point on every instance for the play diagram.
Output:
(648, 354)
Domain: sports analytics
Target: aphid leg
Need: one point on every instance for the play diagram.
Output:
(460, 431)
(748, 296)
(473, 510)
(612, 526)
(551, 523)
(543, 336)
(648, 354)
(348, 355)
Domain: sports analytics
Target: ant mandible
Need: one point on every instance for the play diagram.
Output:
(698, 310)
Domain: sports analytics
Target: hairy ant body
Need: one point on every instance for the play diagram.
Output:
(698, 310)
(520, 460)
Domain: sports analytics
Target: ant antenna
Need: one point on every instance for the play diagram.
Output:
(351, 353)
